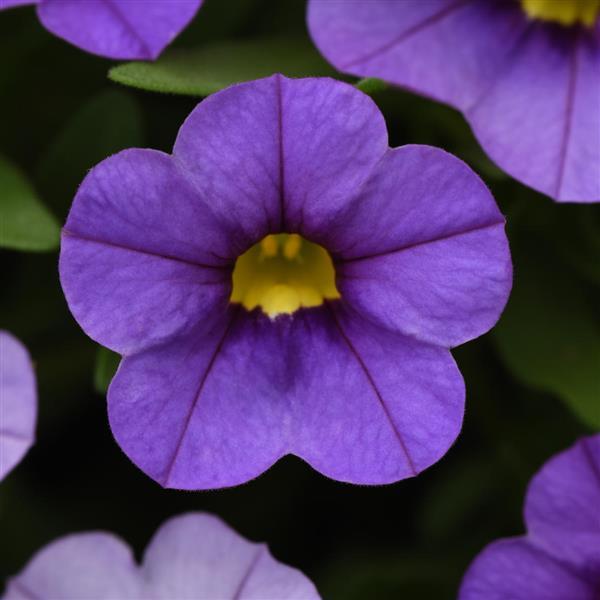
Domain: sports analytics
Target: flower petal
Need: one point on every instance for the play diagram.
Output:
(332, 137)
(315, 384)
(88, 565)
(550, 115)
(118, 29)
(530, 91)
(198, 556)
(446, 49)
(371, 406)
(515, 569)
(14, 3)
(205, 411)
(280, 154)
(422, 249)
(561, 509)
(142, 256)
(18, 402)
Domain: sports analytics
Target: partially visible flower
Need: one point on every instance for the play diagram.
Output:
(285, 283)
(18, 402)
(559, 558)
(120, 29)
(191, 557)
(526, 74)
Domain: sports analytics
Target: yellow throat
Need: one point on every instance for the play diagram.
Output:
(283, 273)
(565, 12)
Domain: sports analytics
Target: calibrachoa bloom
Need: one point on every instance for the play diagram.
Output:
(191, 557)
(284, 283)
(559, 558)
(525, 73)
(120, 29)
(18, 402)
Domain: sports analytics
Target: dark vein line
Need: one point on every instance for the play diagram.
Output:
(281, 163)
(408, 33)
(341, 261)
(373, 385)
(502, 69)
(23, 589)
(196, 399)
(20, 437)
(116, 11)
(569, 111)
(184, 261)
(251, 566)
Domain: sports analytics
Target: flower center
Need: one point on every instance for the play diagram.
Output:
(565, 12)
(282, 273)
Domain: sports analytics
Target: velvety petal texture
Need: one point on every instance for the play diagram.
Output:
(119, 29)
(559, 557)
(191, 557)
(18, 402)
(529, 89)
(363, 388)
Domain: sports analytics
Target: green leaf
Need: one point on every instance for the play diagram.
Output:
(106, 124)
(371, 85)
(25, 223)
(549, 335)
(205, 70)
(107, 363)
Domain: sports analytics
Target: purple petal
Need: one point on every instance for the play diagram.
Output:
(14, 3)
(540, 120)
(192, 556)
(198, 556)
(332, 137)
(446, 49)
(141, 253)
(515, 569)
(374, 407)
(18, 402)
(280, 154)
(423, 250)
(118, 29)
(530, 91)
(229, 147)
(95, 566)
(562, 505)
(353, 400)
(205, 411)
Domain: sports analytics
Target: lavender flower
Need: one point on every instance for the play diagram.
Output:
(18, 402)
(559, 558)
(284, 283)
(191, 557)
(119, 29)
(526, 74)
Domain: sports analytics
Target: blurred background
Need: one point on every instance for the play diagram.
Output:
(533, 384)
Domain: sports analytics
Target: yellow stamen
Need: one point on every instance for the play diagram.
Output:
(281, 282)
(565, 12)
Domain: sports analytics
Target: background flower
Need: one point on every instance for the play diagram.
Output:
(363, 388)
(528, 88)
(193, 556)
(118, 29)
(560, 555)
(18, 402)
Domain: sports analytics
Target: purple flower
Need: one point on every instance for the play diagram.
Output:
(18, 402)
(559, 558)
(526, 75)
(119, 29)
(191, 557)
(243, 341)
